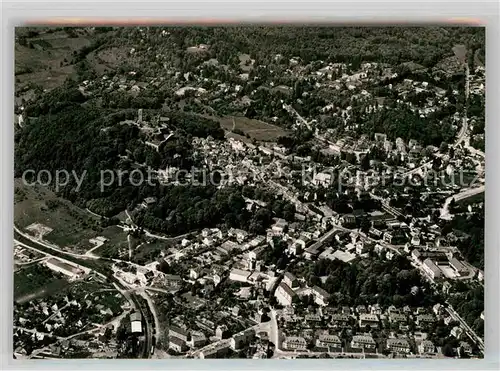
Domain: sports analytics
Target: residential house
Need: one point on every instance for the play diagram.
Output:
(392, 309)
(348, 220)
(465, 347)
(173, 281)
(363, 342)
(322, 179)
(242, 338)
(339, 320)
(179, 333)
(208, 241)
(198, 339)
(397, 318)
(424, 319)
(457, 332)
(361, 248)
(330, 342)
(290, 280)
(295, 343)
(361, 309)
(256, 253)
(376, 309)
(279, 227)
(221, 332)
(239, 234)
(312, 252)
(176, 344)
(371, 320)
(228, 246)
(398, 345)
(345, 310)
(296, 248)
(194, 273)
(426, 347)
(375, 233)
(312, 317)
(438, 309)
(148, 201)
(379, 249)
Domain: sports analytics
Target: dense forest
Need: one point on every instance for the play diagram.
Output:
(393, 282)
(94, 144)
(182, 209)
(471, 245)
(469, 303)
(394, 45)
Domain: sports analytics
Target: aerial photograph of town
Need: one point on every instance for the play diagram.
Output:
(249, 191)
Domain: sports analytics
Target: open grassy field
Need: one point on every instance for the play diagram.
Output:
(45, 59)
(246, 63)
(256, 129)
(146, 253)
(71, 226)
(108, 58)
(117, 244)
(381, 216)
(35, 281)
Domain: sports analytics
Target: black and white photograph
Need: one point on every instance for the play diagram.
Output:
(249, 191)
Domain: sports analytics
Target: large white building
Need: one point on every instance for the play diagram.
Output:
(320, 296)
(284, 294)
(290, 280)
(432, 269)
(136, 323)
(69, 270)
(239, 275)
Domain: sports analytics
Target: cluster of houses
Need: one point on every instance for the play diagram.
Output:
(181, 340)
(369, 320)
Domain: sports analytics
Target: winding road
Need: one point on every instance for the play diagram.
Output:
(445, 212)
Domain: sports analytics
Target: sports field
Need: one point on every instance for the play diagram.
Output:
(256, 129)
